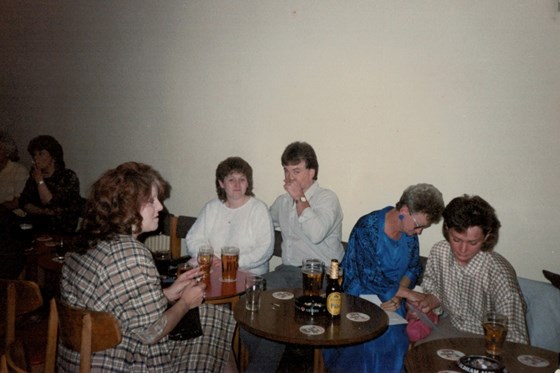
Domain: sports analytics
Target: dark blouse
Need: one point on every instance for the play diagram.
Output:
(67, 203)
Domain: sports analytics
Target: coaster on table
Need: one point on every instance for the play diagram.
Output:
(357, 316)
(449, 354)
(44, 238)
(312, 329)
(51, 244)
(533, 361)
(282, 295)
(57, 259)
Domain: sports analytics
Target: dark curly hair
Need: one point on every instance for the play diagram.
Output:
(229, 165)
(472, 211)
(301, 151)
(50, 144)
(115, 200)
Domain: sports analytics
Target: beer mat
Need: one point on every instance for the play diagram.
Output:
(449, 354)
(25, 226)
(282, 295)
(51, 244)
(44, 238)
(57, 259)
(312, 329)
(29, 249)
(533, 361)
(357, 316)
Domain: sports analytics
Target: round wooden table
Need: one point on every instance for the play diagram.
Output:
(278, 320)
(425, 357)
(219, 292)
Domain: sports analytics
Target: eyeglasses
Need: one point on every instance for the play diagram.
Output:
(417, 225)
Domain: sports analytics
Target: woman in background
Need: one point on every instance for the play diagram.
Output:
(51, 196)
(235, 218)
(12, 180)
(383, 258)
(13, 175)
(115, 273)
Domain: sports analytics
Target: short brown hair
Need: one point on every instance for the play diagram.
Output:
(229, 165)
(301, 151)
(472, 211)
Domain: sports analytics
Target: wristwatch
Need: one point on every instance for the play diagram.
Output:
(302, 199)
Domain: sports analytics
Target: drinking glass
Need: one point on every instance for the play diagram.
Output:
(204, 257)
(254, 286)
(313, 272)
(495, 331)
(230, 263)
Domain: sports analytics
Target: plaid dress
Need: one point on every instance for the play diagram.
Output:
(120, 277)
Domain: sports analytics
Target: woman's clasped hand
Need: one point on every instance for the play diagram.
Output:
(188, 289)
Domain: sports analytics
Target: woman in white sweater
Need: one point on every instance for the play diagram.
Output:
(235, 218)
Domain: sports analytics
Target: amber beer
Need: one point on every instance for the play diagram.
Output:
(495, 331)
(312, 272)
(334, 297)
(204, 258)
(230, 263)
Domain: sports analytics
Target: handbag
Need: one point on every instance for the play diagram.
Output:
(416, 329)
(189, 327)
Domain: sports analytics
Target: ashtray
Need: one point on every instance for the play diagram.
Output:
(480, 364)
(310, 304)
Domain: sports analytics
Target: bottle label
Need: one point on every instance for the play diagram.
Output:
(334, 301)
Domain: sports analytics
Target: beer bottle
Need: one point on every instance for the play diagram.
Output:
(334, 297)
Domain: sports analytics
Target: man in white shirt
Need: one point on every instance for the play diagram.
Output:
(310, 220)
(309, 217)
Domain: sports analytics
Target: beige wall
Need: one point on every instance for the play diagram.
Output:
(463, 94)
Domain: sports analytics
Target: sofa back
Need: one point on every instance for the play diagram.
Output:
(543, 313)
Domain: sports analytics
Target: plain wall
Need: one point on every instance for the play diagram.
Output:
(462, 94)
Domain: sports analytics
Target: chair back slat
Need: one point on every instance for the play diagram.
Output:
(17, 297)
(86, 331)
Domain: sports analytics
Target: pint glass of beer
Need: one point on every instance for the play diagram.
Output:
(204, 257)
(312, 271)
(495, 331)
(230, 262)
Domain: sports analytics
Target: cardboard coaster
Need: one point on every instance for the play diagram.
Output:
(312, 329)
(283, 295)
(51, 244)
(449, 354)
(44, 238)
(533, 361)
(357, 317)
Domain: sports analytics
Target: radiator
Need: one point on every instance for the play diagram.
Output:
(158, 243)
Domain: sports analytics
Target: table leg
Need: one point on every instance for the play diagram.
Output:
(318, 364)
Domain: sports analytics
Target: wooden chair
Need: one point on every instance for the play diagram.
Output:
(15, 359)
(174, 228)
(81, 330)
(17, 298)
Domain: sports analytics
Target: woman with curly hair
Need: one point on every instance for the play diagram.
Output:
(51, 196)
(114, 272)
